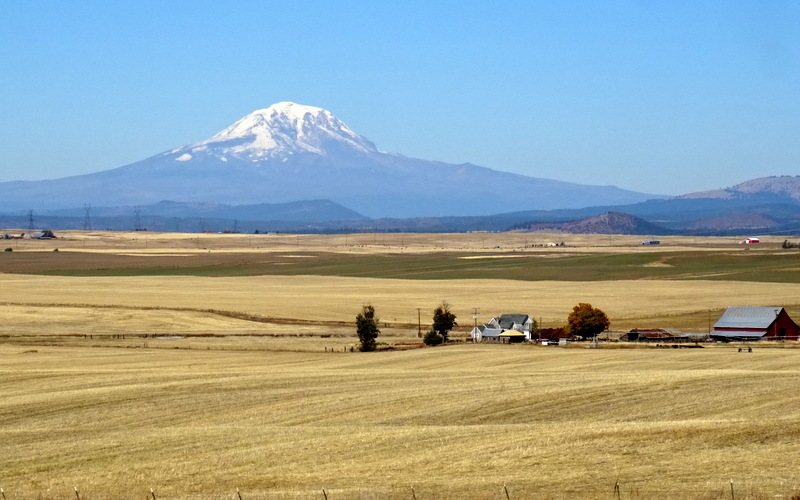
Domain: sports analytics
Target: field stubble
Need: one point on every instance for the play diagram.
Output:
(454, 422)
(240, 393)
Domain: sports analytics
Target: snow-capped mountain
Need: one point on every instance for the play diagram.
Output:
(289, 152)
(278, 132)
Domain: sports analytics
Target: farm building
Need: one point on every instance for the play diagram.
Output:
(518, 322)
(513, 336)
(485, 333)
(654, 335)
(505, 328)
(755, 323)
(43, 235)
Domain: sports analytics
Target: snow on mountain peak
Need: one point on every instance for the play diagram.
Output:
(283, 129)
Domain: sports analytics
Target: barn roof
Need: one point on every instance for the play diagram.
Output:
(748, 317)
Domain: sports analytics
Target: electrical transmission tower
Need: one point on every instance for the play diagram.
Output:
(87, 219)
(30, 220)
(138, 211)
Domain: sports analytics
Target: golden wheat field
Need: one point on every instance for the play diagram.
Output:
(122, 371)
(455, 422)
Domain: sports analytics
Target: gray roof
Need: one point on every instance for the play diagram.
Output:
(748, 317)
(507, 321)
(491, 332)
(737, 334)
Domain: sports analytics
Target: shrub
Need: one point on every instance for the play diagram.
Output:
(433, 338)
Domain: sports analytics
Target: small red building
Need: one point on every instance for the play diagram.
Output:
(755, 323)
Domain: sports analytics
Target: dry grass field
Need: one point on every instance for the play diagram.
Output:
(195, 365)
(451, 422)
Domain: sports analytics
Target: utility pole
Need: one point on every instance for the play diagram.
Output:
(419, 322)
(475, 318)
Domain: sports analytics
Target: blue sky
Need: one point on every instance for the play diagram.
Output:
(654, 96)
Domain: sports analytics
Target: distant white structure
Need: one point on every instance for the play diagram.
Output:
(505, 328)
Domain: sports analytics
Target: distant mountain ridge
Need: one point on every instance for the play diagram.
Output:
(608, 223)
(758, 212)
(298, 211)
(290, 152)
(784, 186)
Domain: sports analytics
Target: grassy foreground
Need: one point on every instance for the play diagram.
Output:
(453, 422)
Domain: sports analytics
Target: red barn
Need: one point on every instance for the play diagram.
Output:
(755, 323)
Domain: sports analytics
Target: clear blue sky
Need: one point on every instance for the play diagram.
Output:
(656, 96)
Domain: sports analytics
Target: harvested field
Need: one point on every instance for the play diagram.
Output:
(338, 299)
(195, 365)
(453, 422)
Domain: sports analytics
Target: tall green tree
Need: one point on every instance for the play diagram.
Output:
(443, 320)
(586, 321)
(367, 328)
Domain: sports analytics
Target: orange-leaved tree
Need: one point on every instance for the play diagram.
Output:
(586, 321)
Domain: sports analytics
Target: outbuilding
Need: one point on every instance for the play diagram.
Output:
(485, 333)
(654, 335)
(755, 323)
(512, 336)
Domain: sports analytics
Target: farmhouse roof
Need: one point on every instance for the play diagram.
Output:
(507, 321)
(748, 317)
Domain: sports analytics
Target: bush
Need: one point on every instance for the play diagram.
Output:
(433, 338)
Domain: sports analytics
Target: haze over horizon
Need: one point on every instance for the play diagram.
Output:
(669, 98)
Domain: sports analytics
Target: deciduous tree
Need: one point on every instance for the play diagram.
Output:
(586, 321)
(443, 320)
(367, 328)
